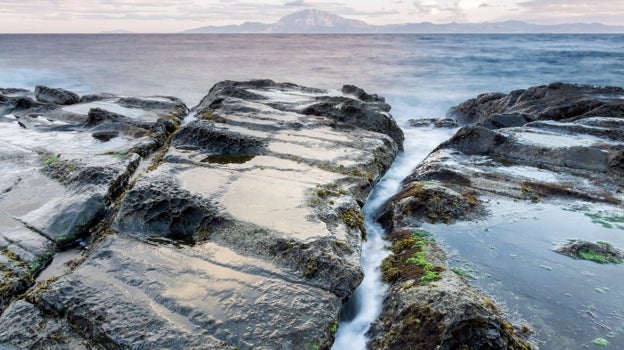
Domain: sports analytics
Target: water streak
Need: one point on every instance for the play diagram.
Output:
(366, 304)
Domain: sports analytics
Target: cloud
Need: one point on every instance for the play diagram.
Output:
(559, 11)
(445, 11)
(140, 15)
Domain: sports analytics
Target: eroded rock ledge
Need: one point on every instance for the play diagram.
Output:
(556, 143)
(235, 226)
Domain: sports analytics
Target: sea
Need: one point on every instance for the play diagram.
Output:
(421, 76)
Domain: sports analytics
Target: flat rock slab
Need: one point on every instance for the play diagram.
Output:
(57, 178)
(244, 232)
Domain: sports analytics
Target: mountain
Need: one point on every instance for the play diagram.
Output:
(247, 27)
(317, 21)
(117, 31)
(508, 27)
(306, 21)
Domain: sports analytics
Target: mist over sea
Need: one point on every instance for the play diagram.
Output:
(421, 75)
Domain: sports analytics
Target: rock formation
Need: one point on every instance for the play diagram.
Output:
(558, 143)
(235, 226)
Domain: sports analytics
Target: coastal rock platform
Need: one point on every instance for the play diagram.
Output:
(558, 143)
(235, 224)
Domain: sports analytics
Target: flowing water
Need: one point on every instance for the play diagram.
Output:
(421, 76)
(365, 306)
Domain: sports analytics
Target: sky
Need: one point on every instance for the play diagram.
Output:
(154, 16)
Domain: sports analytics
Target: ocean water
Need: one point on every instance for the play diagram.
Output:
(421, 76)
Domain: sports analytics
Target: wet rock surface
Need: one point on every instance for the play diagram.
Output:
(557, 101)
(600, 252)
(558, 143)
(433, 122)
(56, 180)
(239, 227)
(55, 96)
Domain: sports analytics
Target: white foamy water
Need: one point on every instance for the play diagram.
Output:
(368, 297)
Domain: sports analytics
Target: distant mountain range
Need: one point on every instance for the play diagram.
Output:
(317, 21)
(117, 31)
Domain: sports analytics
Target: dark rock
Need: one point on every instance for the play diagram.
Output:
(556, 101)
(616, 162)
(158, 102)
(22, 105)
(235, 89)
(445, 314)
(55, 96)
(446, 123)
(478, 109)
(600, 252)
(244, 233)
(588, 158)
(212, 139)
(99, 116)
(11, 91)
(559, 143)
(475, 140)
(362, 95)
(106, 317)
(240, 90)
(504, 120)
(421, 123)
(96, 97)
(105, 135)
(437, 123)
(430, 202)
(373, 117)
(159, 208)
(35, 330)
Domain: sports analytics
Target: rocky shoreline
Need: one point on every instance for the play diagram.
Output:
(559, 143)
(237, 224)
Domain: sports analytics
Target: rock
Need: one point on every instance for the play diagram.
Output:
(427, 201)
(446, 123)
(96, 97)
(35, 331)
(21, 103)
(556, 101)
(539, 160)
(362, 95)
(55, 96)
(421, 123)
(206, 136)
(616, 162)
(557, 143)
(446, 313)
(99, 116)
(504, 120)
(154, 103)
(475, 140)
(371, 114)
(105, 136)
(158, 207)
(243, 230)
(357, 113)
(600, 252)
(436, 123)
(57, 182)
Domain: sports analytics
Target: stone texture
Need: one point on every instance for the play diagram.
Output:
(238, 228)
(558, 143)
(57, 182)
(55, 96)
